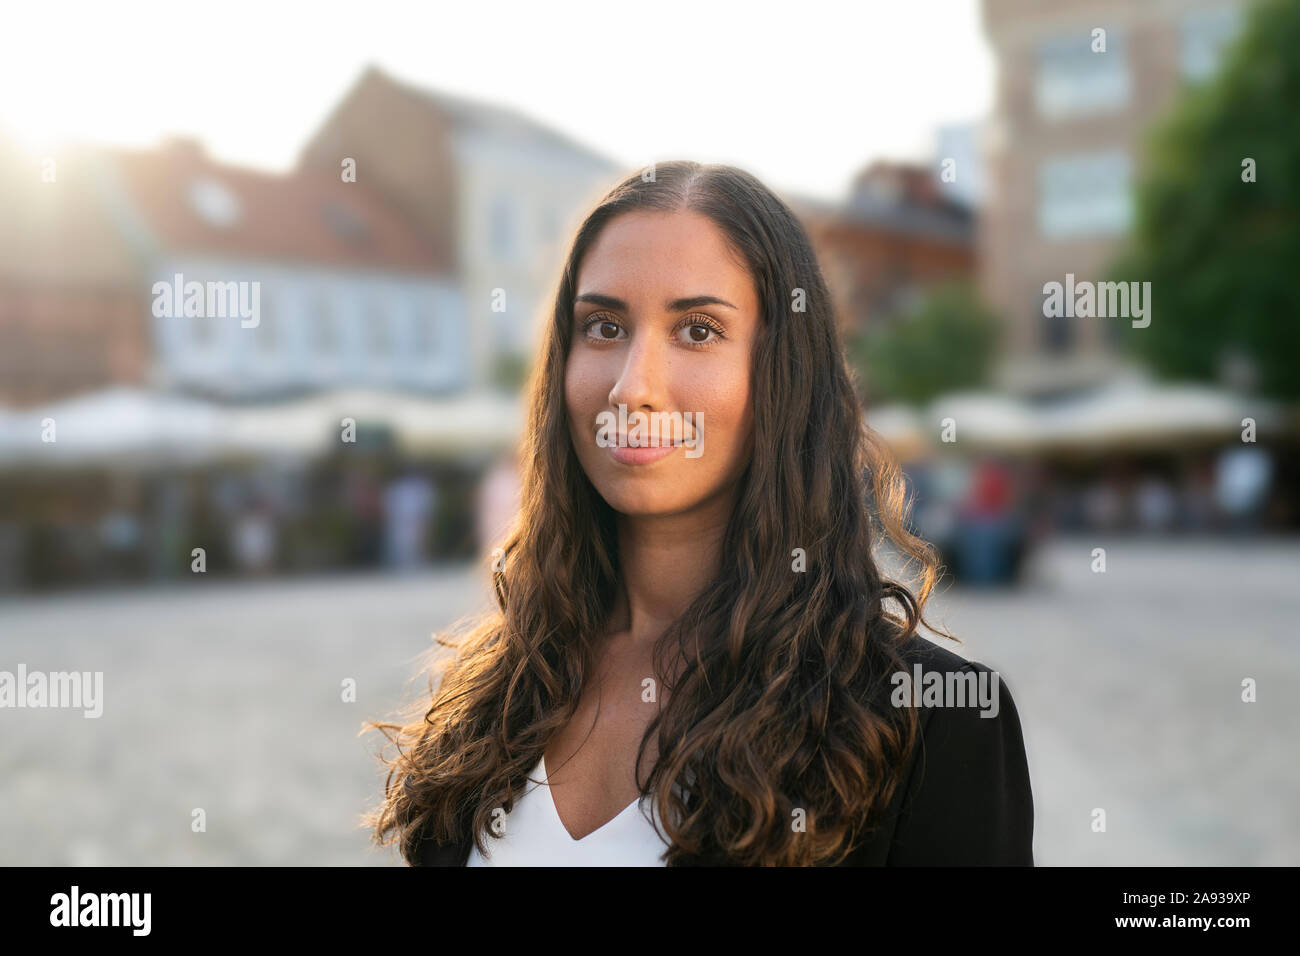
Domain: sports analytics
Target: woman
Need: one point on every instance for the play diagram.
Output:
(694, 660)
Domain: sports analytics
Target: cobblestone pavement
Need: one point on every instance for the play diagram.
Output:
(227, 697)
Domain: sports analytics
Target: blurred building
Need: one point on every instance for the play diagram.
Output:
(72, 316)
(200, 333)
(1064, 149)
(897, 233)
(498, 191)
(348, 292)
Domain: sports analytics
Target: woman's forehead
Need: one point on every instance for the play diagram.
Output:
(663, 256)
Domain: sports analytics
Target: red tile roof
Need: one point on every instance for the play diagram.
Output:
(304, 216)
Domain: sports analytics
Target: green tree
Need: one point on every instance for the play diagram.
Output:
(945, 344)
(510, 371)
(1220, 251)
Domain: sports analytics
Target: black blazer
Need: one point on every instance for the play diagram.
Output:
(966, 797)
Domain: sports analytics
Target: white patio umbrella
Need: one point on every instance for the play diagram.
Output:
(1153, 415)
(120, 424)
(421, 424)
(132, 426)
(982, 420)
(900, 426)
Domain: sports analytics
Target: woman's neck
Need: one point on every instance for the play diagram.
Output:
(666, 561)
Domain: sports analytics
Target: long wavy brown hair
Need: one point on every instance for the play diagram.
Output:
(781, 702)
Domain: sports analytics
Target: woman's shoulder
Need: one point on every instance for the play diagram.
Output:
(942, 682)
(967, 799)
(918, 649)
(924, 663)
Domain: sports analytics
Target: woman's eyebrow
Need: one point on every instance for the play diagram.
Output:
(673, 305)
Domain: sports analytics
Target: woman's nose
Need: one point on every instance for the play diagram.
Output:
(641, 380)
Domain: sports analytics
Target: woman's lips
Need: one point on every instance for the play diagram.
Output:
(640, 456)
(646, 448)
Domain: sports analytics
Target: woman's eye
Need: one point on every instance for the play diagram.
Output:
(694, 334)
(698, 334)
(701, 333)
(598, 328)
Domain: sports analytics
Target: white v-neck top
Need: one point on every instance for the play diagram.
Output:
(535, 835)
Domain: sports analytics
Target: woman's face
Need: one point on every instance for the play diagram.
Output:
(665, 320)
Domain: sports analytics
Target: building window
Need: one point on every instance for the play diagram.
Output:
(1206, 36)
(266, 332)
(346, 223)
(501, 228)
(321, 321)
(1072, 78)
(1087, 194)
(202, 329)
(510, 330)
(216, 204)
(378, 333)
(426, 331)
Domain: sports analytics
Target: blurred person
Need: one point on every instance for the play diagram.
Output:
(366, 510)
(11, 554)
(1156, 504)
(120, 541)
(1103, 505)
(741, 578)
(986, 540)
(167, 553)
(207, 524)
(1070, 509)
(942, 485)
(1042, 501)
(408, 502)
(253, 538)
(498, 501)
(1197, 497)
(228, 494)
(1241, 483)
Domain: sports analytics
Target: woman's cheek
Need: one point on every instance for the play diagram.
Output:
(578, 393)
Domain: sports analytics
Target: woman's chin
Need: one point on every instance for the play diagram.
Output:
(641, 506)
(642, 510)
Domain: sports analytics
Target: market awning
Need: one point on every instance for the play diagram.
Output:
(981, 420)
(1128, 413)
(116, 425)
(133, 426)
(422, 425)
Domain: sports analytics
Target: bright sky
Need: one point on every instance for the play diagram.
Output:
(802, 94)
